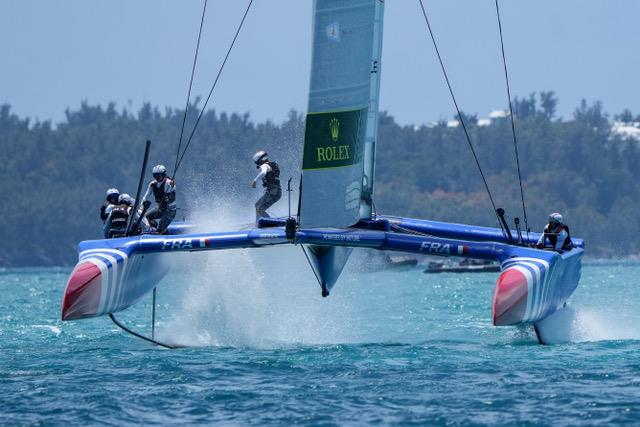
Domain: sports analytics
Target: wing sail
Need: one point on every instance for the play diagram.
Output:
(340, 98)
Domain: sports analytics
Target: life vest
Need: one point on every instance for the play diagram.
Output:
(162, 198)
(553, 237)
(119, 217)
(272, 178)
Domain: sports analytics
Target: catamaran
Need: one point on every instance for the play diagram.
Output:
(336, 210)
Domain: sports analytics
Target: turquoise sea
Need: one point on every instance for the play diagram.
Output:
(392, 347)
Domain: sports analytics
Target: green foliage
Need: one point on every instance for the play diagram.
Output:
(54, 177)
(577, 167)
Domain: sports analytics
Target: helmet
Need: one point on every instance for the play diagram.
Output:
(112, 195)
(126, 199)
(159, 171)
(260, 155)
(556, 218)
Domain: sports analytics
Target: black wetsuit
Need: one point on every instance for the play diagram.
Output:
(116, 223)
(165, 197)
(272, 190)
(552, 233)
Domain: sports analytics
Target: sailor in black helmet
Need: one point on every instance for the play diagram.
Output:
(556, 233)
(118, 218)
(163, 190)
(270, 175)
(110, 201)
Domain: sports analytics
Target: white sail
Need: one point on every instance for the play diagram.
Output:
(340, 97)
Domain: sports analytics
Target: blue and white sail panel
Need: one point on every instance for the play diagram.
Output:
(371, 134)
(339, 101)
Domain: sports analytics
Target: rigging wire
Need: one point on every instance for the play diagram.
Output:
(513, 125)
(464, 127)
(193, 70)
(224, 62)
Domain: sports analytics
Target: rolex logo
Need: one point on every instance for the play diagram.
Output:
(334, 125)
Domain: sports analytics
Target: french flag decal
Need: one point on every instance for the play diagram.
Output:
(463, 249)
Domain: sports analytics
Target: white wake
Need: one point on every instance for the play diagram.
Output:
(260, 297)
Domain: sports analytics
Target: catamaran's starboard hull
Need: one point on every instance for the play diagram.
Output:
(530, 288)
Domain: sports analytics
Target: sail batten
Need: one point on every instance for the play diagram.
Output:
(342, 89)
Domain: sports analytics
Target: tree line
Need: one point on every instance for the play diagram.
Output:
(54, 177)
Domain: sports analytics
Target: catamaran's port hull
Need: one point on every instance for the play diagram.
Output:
(109, 280)
(111, 275)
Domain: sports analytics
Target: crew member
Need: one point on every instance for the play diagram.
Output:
(270, 175)
(126, 199)
(556, 233)
(118, 218)
(111, 200)
(163, 189)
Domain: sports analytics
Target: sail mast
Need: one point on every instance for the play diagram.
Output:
(366, 199)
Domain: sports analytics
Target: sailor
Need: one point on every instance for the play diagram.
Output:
(118, 218)
(270, 175)
(557, 233)
(163, 189)
(126, 199)
(111, 200)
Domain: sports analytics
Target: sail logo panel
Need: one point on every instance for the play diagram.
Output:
(333, 31)
(339, 102)
(333, 139)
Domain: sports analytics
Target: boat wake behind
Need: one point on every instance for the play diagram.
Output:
(586, 324)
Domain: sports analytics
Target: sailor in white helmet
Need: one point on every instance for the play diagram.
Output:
(126, 199)
(270, 176)
(163, 190)
(110, 200)
(556, 233)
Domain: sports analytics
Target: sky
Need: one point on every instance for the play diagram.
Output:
(57, 53)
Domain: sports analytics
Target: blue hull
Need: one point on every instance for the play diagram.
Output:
(111, 275)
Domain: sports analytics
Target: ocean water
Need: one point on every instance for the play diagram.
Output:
(391, 347)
